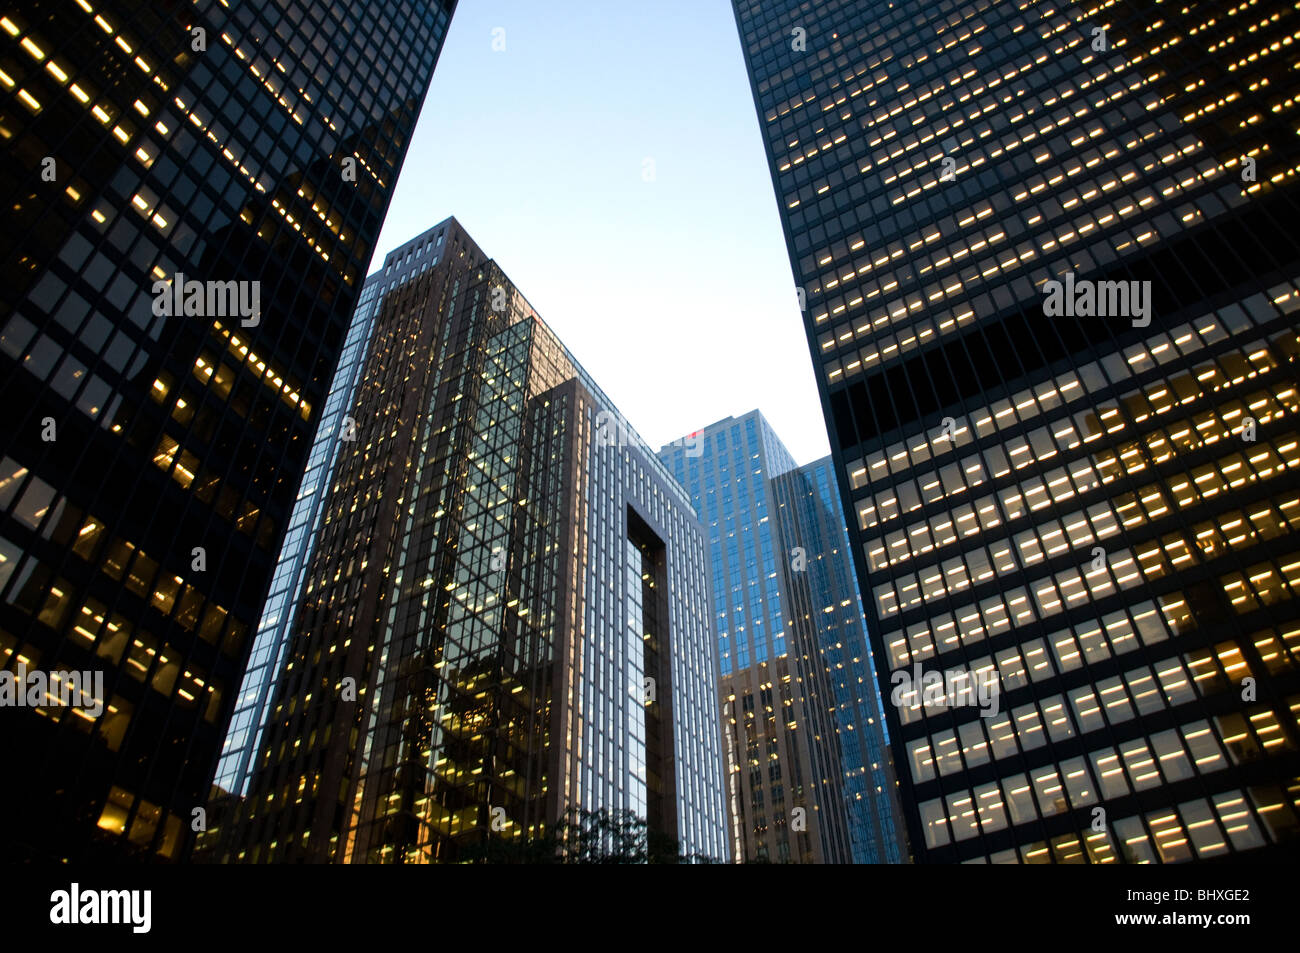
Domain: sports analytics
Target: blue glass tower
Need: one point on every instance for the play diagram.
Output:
(813, 526)
(809, 773)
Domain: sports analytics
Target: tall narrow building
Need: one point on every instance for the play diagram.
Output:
(337, 427)
(1048, 267)
(810, 780)
(192, 197)
(504, 615)
(815, 535)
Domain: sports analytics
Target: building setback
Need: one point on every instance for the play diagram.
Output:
(810, 781)
(192, 197)
(505, 611)
(1048, 269)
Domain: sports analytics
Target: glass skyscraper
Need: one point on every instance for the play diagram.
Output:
(814, 530)
(1048, 267)
(504, 613)
(810, 779)
(192, 198)
(337, 426)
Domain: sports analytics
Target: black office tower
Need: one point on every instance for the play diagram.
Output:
(1048, 264)
(192, 196)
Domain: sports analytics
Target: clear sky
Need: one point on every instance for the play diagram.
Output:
(675, 294)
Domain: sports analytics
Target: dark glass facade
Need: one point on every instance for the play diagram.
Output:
(1049, 269)
(810, 778)
(192, 198)
(504, 614)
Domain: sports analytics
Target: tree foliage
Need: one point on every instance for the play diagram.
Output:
(586, 837)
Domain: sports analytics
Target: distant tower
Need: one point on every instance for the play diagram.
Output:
(810, 779)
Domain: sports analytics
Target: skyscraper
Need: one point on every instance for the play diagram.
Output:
(814, 531)
(810, 780)
(193, 195)
(274, 629)
(505, 612)
(1048, 273)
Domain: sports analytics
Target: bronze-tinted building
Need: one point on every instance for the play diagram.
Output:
(504, 613)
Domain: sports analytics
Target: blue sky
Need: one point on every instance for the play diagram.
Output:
(675, 294)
